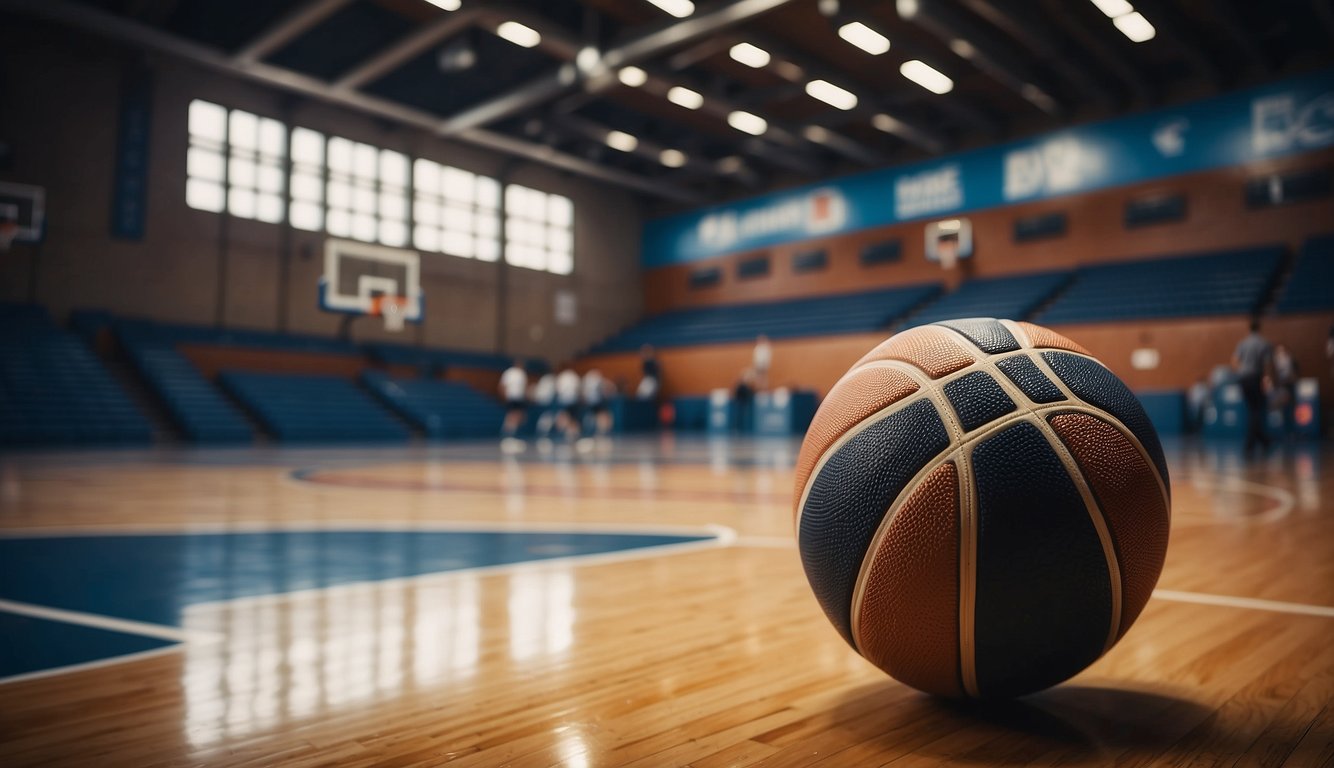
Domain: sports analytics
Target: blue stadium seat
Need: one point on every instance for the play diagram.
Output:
(1014, 297)
(54, 390)
(1220, 283)
(440, 409)
(304, 408)
(424, 357)
(826, 315)
(198, 409)
(1311, 286)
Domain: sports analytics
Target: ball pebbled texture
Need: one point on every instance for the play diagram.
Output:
(982, 508)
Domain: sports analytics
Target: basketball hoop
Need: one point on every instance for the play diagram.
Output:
(8, 231)
(393, 309)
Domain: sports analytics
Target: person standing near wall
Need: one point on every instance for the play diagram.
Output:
(651, 380)
(1252, 361)
(1285, 385)
(567, 403)
(760, 362)
(514, 391)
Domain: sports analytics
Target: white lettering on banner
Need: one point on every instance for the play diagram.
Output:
(931, 191)
(1051, 168)
(1278, 124)
(820, 212)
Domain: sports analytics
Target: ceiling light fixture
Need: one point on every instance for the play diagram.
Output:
(1114, 8)
(632, 76)
(672, 158)
(448, 5)
(678, 8)
(750, 55)
(864, 38)
(1134, 26)
(927, 76)
(520, 34)
(748, 123)
(684, 97)
(831, 94)
(622, 141)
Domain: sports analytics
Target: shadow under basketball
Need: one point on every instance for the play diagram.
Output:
(1078, 725)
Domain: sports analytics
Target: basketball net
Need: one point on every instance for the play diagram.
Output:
(8, 231)
(393, 309)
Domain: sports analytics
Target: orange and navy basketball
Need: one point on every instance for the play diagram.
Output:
(982, 507)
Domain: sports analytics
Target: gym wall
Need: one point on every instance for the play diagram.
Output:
(197, 267)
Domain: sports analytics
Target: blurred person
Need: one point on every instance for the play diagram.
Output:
(544, 401)
(1252, 361)
(744, 397)
(567, 402)
(650, 381)
(762, 358)
(1285, 384)
(514, 391)
(595, 391)
(1197, 401)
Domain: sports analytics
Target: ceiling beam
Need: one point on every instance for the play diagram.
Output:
(407, 49)
(973, 44)
(1181, 36)
(1095, 43)
(546, 88)
(1036, 34)
(120, 29)
(289, 28)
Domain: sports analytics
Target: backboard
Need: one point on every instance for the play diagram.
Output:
(359, 276)
(26, 205)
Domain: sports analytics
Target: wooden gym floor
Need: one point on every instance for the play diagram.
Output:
(637, 607)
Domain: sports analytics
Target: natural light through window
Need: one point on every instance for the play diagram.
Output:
(367, 193)
(235, 162)
(237, 165)
(539, 230)
(455, 212)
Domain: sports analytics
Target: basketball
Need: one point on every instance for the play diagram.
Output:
(982, 508)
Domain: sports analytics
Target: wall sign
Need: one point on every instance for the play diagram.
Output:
(1282, 118)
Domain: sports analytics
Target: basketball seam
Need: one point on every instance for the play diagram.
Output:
(967, 595)
(1163, 482)
(1023, 402)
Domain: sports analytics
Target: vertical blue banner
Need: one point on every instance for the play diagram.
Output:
(129, 196)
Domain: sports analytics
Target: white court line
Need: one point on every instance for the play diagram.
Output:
(110, 623)
(379, 525)
(1254, 603)
(767, 542)
(1285, 500)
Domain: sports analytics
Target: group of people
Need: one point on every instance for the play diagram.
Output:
(561, 401)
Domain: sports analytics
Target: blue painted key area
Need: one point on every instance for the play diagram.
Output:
(154, 578)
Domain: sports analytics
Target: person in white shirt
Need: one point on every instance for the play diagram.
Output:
(595, 400)
(514, 390)
(764, 355)
(544, 400)
(567, 402)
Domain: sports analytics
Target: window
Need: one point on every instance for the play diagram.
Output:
(455, 212)
(539, 230)
(885, 252)
(706, 277)
(810, 261)
(367, 193)
(1039, 227)
(1159, 209)
(235, 162)
(307, 187)
(1292, 187)
(755, 266)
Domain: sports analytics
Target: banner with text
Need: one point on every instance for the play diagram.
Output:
(1282, 118)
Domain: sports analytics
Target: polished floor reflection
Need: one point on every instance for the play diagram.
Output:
(642, 605)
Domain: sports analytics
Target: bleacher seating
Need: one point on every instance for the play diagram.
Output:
(1311, 286)
(54, 390)
(1014, 297)
(826, 315)
(173, 333)
(1222, 283)
(198, 409)
(305, 408)
(440, 409)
